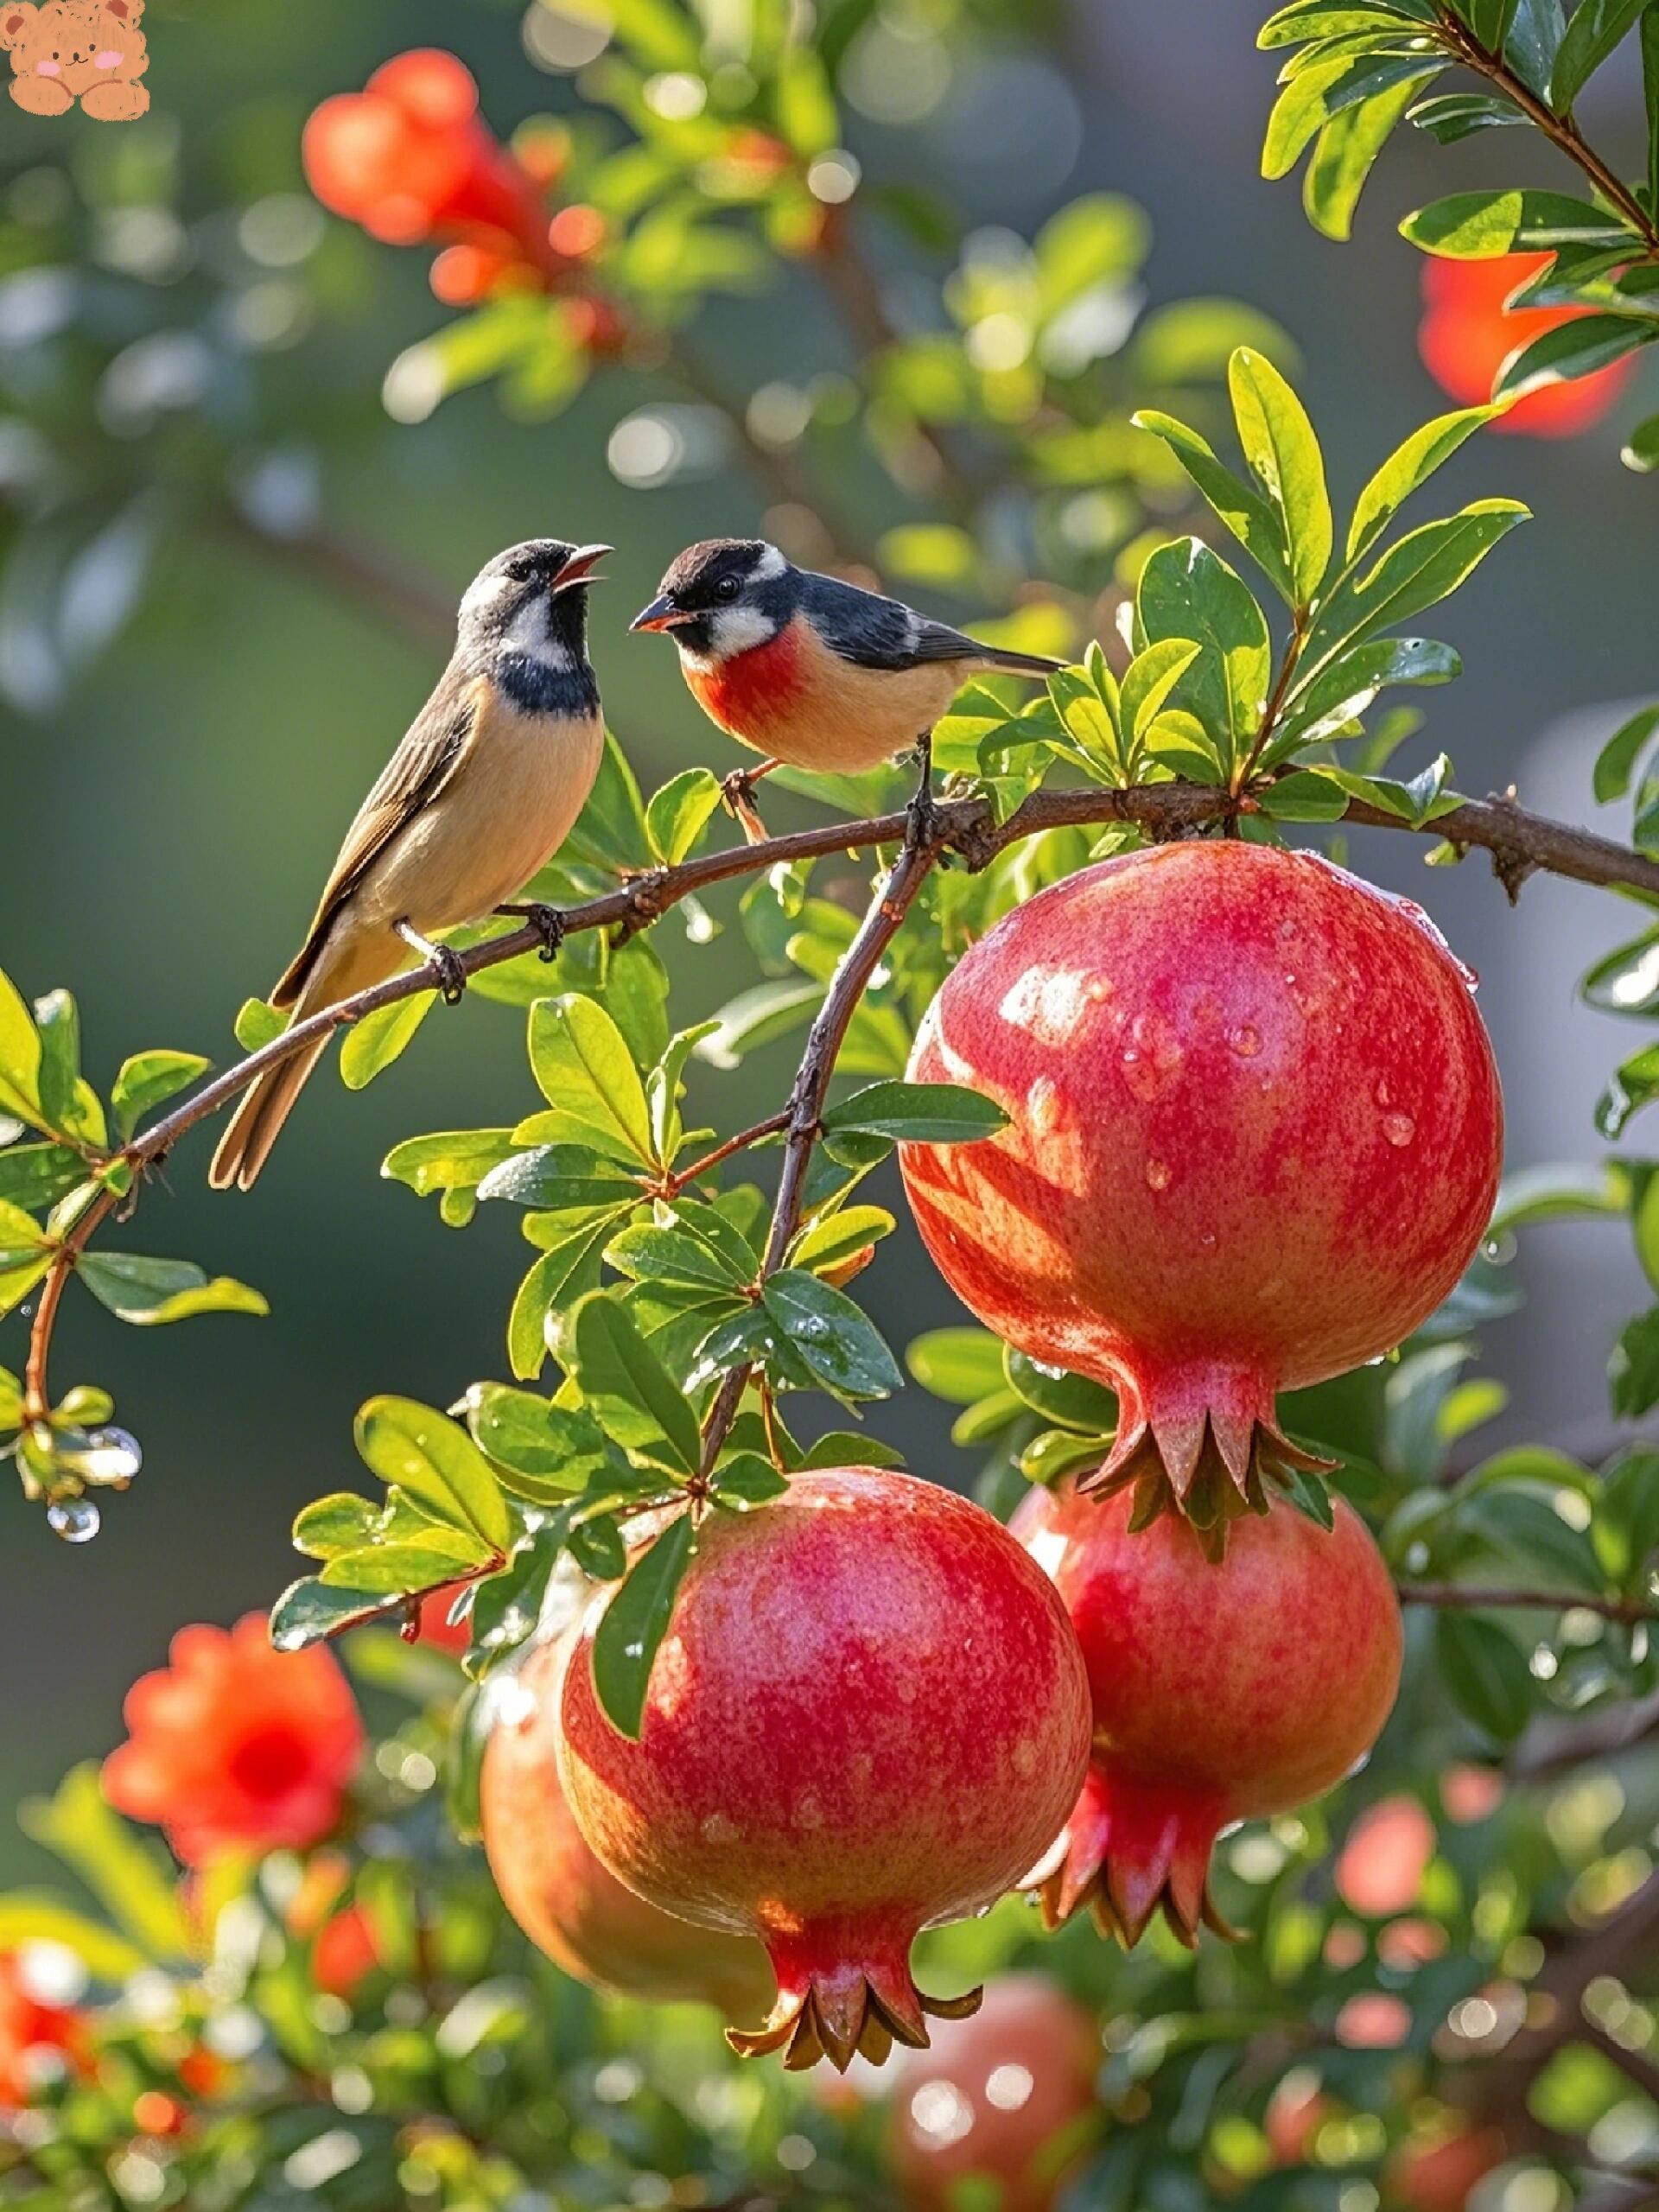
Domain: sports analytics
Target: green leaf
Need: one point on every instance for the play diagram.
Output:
(1640, 452)
(834, 1338)
(257, 1024)
(677, 813)
(149, 1291)
(448, 1159)
(1481, 225)
(1572, 1191)
(566, 1272)
(1345, 153)
(70, 1106)
(29, 1916)
(24, 1256)
(1486, 1671)
(1633, 1371)
(1627, 981)
(542, 1452)
(1308, 19)
(635, 1622)
(123, 1874)
(677, 1256)
(434, 1459)
(844, 1448)
(1453, 116)
(959, 1366)
(598, 1549)
(310, 1611)
(1573, 349)
(339, 1522)
(147, 1080)
(11, 1401)
(1616, 763)
(1070, 1402)
(747, 1480)
(582, 1062)
(1308, 795)
(400, 1570)
(756, 1017)
(20, 1055)
(610, 831)
(1248, 516)
(1188, 592)
(630, 1391)
(36, 1176)
(1148, 681)
(835, 1238)
(1323, 88)
(1348, 681)
(374, 1043)
(1629, 1088)
(918, 1113)
(1407, 469)
(1098, 238)
(1594, 30)
(1279, 444)
(1424, 566)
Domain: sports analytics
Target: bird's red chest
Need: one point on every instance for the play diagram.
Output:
(750, 692)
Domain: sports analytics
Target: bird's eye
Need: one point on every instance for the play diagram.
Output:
(727, 588)
(521, 571)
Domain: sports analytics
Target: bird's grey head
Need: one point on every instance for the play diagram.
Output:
(723, 596)
(523, 618)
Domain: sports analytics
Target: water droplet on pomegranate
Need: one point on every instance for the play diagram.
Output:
(717, 1828)
(1245, 1041)
(1207, 1240)
(1399, 1129)
(1380, 1093)
(76, 1519)
(1159, 1175)
(1099, 988)
(1152, 1059)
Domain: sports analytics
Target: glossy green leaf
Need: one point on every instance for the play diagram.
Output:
(1324, 88)
(566, 1272)
(1640, 452)
(1407, 469)
(1628, 1089)
(1345, 153)
(836, 1238)
(258, 1024)
(1451, 116)
(1616, 763)
(448, 1159)
(676, 1255)
(1278, 443)
(610, 831)
(33, 1177)
(845, 1448)
(1307, 19)
(401, 1570)
(917, 1113)
(835, 1339)
(581, 1062)
(747, 1480)
(598, 1549)
(1245, 511)
(1633, 1371)
(1485, 1670)
(20, 1055)
(1070, 1400)
(434, 1459)
(634, 1625)
(339, 1522)
(541, 1451)
(629, 1390)
(310, 1611)
(147, 1080)
(1421, 568)
(677, 814)
(1480, 225)
(1188, 592)
(958, 1365)
(374, 1043)
(1573, 349)
(149, 1292)
(1593, 29)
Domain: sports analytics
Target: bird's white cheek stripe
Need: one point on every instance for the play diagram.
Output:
(530, 633)
(772, 564)
(740, 629)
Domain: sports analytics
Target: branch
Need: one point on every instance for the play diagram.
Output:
(1560, 130)
(877, 930)
(967, 826)
(1471, 1596)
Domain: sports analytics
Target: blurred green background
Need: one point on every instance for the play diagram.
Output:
(171, 815)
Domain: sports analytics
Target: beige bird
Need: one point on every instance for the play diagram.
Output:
(484, 789)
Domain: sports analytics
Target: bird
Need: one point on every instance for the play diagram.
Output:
(482, 790)
(810, 672)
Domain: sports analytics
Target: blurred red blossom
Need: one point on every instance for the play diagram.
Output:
(235, 1745)
(1467, 334)
(36, 2034)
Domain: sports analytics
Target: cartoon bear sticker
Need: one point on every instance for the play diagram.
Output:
(68, 50)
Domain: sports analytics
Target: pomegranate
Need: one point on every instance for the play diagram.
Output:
(1440, 2171)
(1254, 1140)
(1220, 1693)
(569, 1904)
(868, 1715)
(1006, 2096)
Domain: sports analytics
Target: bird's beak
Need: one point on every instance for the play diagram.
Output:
(578, 570)
(661, 614)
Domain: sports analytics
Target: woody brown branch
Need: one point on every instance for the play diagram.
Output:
(967, 826)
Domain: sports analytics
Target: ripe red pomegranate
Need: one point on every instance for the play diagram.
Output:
(869, 1714)
(1254, 1140)
(1221, 1691)
(570, 1905)
(1006, 2097)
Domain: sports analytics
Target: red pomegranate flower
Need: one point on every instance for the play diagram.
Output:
(36, 2034)
(411, 160)
(1467, 334)
(236, 1745)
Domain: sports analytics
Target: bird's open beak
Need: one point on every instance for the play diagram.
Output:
(661, 614)
(578, 570)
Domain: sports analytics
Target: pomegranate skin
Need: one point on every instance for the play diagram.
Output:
(869, 1714)
(1006, 2097)
(568, 1903)
(1222, 1692)
(1255, 1136)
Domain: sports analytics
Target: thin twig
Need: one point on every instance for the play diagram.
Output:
(675, 1182)
(1560, 130)
(892, 901)
(967, 826)
(1471, 1596)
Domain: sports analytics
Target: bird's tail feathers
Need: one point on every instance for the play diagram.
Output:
(997, 657)
(257, 1121)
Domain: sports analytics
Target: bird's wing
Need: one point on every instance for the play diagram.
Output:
(434, 746)
(872, 632)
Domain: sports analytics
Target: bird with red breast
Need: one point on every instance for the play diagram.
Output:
(808, 671)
